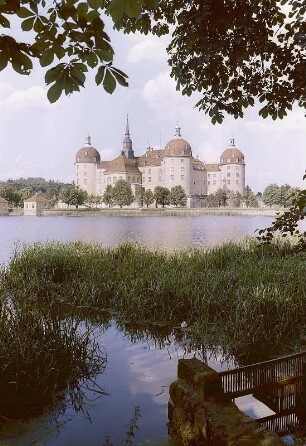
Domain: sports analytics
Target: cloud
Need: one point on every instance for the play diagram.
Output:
(161, 96)
(295, 121)
(150, 49)
(20, 101)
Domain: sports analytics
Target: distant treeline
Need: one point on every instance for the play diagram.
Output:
(16, 191)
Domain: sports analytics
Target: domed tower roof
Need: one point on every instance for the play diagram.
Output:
(232, 155)
(178, 146)
(88, 154)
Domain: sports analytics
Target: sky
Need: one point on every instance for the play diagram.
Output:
(42, 139)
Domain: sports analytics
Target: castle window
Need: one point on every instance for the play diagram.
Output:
(171, 177)
(85, 166)
(85, 174)
(237, 175)
(143, 179)
(149, 170)
(237, 167)
(109, 180)
(85, 181)
(237, 182)
(228, 175)
(182, 177)
(78, 166)
(182, 169)
(172, 169)
(228, 182)
(149, 179)
(228, 167)
(208, 182)
(114, 180)
(209, 175)
(215, 183)
(182, 160)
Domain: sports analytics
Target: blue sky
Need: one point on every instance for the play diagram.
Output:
(39, 139)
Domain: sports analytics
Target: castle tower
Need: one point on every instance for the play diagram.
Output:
(127, 148)
(232, 168)
(177, 163)
(86, 161)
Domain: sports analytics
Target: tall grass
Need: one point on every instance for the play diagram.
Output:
(243, 294)
(43, 359)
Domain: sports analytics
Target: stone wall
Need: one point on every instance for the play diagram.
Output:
(200, 414)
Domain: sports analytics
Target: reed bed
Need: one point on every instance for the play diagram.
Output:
(44, 359)
(250, 296)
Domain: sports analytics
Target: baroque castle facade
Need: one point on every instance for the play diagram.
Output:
(174, 165)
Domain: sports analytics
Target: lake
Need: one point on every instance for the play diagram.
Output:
(138, 371)
(162, 232)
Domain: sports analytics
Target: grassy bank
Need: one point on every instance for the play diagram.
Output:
(168, 212)
(250, 297)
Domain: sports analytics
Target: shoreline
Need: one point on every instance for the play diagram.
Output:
(180, 212)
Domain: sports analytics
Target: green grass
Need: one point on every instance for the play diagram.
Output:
(243, 296)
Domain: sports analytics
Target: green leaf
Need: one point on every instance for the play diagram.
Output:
(100, 75)
(132, 8)
(109, 83)
(47, 58)
(96, 4)
(27, 24)
(117, 9)
(4, 22)
(151, 4)
(92, 60)
(82, 9)
(55, 92)
(120, 77)
(3, 63)
(24, 12)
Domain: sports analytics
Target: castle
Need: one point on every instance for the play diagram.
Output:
(174, 165)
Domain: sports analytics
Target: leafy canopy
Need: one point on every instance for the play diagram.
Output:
(122, 194)
(230, 52)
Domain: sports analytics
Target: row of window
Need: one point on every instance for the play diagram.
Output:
(228, 182)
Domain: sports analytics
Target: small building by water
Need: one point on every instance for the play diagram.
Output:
(4, 206)
(36, 204)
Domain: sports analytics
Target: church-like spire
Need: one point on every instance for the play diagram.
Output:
(232, 141)
(127, 130)
(88, 140)
(127, 142)
(177, 130)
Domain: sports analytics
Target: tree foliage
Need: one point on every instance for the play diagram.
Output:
(286, 223)
(107, 197)
(178, 196)
(122, 194)
(73, 196)
(231, 53)
(249, 198)
(67, 35)
(162, 196)
(275, 195)
(148, 197)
